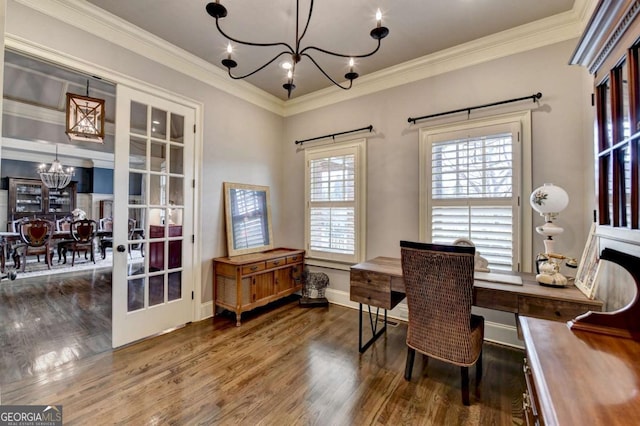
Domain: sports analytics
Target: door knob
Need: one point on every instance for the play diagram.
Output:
(121, 248)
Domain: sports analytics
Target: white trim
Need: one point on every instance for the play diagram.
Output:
(327, 264)
(96, 21)
(206, 310)
(524, 220)
(64, 59)
(359, 148)
(493, 332)
(44, 152)
(544, 32)
(45, 115)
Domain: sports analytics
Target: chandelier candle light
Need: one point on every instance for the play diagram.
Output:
(56, 177)
(218, 11)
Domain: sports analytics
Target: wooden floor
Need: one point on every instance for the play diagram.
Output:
(285, 365)
(48, 321)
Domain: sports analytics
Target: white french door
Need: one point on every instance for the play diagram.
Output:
(153, 223)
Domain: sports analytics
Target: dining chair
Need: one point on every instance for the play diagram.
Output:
(36, 236)
(83, 233)
(439, 287)
(64, 224)
(107, 242)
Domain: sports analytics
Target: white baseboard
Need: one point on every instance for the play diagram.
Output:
(502, 334)
(206, 310)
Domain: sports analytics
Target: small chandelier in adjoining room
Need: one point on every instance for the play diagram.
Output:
(85, 117)
(56, 176)
(218, 11)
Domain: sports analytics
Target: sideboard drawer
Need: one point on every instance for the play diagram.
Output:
(253, 267)
(274, 263)
(294, 258)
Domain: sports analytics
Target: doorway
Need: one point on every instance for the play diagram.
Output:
(34, 124)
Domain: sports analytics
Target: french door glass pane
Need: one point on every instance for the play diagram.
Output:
(136, 187)
(135, 294)
(175, 285)
(177, 128)
(176, 195)
(158, 123)
(137, 153)
(158, 157)
(156, 290)
(138, 118)
(176, 160)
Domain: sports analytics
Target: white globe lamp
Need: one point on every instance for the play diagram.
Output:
(549, 200)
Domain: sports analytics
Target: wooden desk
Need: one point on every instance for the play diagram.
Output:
(378, 282)
(579, 377)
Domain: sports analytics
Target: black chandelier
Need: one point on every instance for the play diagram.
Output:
(218, 11)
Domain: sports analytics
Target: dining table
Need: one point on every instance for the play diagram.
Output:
(8, 240)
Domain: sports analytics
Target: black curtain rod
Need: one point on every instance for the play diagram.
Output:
(333, 135)
(468, 109)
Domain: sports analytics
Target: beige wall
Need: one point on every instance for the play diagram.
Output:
(242, 142)
(561, 144)
(562, 147)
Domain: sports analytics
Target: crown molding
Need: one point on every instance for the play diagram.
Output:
(81, 14)
(96, 21)
(44, 152)
(47, 115)
(544, 32)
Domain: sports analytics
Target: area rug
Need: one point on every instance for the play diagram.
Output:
(35, 268)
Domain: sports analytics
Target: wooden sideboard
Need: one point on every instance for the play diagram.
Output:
(579, 377)
(245, 282)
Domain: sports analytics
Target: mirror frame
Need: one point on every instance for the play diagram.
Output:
(229, 192)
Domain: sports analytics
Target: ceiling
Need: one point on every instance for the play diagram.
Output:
(417, 28)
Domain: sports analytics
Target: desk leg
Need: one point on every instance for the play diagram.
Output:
(375, 333)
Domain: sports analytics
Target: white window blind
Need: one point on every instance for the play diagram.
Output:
(333, 213)
(472, 189)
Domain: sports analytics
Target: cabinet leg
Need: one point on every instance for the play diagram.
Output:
(238, 315)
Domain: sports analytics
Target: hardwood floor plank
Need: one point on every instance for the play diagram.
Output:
(284, 365)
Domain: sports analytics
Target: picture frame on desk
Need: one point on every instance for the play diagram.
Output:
(587, 274)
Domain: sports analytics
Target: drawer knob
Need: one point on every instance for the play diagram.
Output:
(253, 268)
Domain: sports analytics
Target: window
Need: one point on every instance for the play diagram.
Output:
(471, 186)
(335, 200)
(617, 146)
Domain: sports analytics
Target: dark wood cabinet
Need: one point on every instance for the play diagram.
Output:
(610, 49)
(31, 197)
(156, 249)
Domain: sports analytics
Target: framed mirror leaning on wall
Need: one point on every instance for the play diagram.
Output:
(248, 218)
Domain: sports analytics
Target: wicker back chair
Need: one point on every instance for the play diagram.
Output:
(439, 286)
